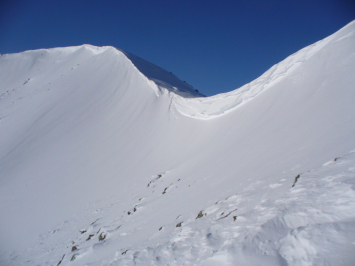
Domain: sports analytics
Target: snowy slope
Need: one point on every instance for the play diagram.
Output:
(107, 159)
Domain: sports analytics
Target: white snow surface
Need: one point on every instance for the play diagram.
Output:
(107, 159)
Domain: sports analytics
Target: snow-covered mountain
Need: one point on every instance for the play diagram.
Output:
(107, 159)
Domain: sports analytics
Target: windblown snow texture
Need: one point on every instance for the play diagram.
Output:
(107, 159)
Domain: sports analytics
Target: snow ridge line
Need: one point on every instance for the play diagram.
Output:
(215, 106)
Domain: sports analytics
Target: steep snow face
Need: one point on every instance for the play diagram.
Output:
(64, 112)
(102, 162)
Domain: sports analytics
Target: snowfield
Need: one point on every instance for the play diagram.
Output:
(107, 159)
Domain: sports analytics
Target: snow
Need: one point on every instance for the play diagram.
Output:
(212, 107)
(107, 159)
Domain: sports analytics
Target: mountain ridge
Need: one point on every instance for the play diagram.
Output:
(159, 76)
(101, 166)
(216, 105)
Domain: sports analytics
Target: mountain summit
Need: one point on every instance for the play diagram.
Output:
(107, 159)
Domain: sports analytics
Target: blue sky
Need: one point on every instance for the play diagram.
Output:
(216, 46)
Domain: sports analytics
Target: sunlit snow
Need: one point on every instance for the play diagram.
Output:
(107, 159)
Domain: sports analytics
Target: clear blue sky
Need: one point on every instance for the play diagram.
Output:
(216, 46)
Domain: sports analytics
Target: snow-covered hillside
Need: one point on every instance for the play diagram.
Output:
(106, 159)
